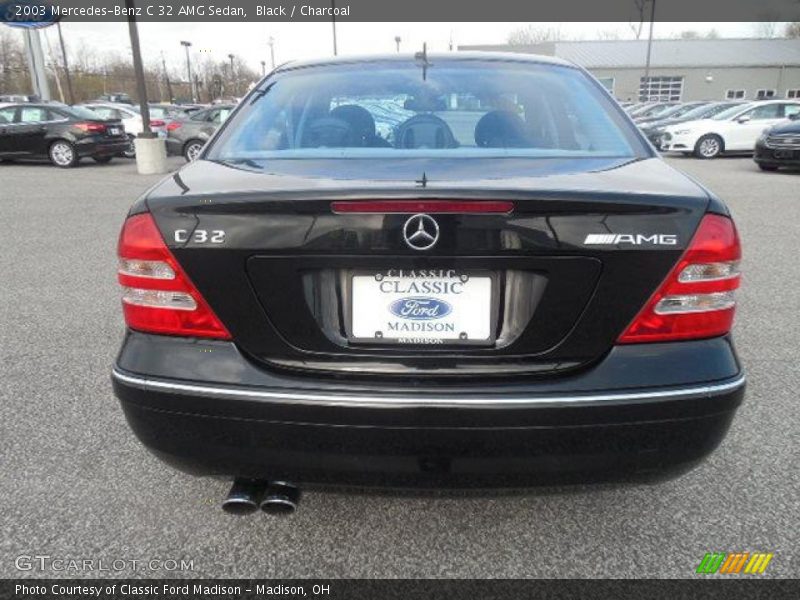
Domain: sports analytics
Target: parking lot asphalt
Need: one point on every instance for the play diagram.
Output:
(77, 485)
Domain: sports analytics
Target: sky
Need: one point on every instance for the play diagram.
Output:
(294, 40)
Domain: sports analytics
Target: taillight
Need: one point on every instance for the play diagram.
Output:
(173, 125)
(423, 206)
(156, 123)
(90, 127)
(696, 300)
(157, 295)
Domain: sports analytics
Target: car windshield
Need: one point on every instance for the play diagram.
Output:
(731, 112)
(464, 108)
(704, 111)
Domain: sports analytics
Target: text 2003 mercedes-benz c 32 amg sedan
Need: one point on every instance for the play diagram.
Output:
(427, 271)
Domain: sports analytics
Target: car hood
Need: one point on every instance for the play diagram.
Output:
(787, 126)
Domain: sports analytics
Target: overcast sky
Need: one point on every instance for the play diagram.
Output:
(313, 40)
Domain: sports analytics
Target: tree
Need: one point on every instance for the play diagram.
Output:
(530, 35)
(641, 9)
(766, 29)
(689, 34)
(608, 34)
(792, 30)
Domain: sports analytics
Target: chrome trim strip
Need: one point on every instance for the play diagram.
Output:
(363, 401)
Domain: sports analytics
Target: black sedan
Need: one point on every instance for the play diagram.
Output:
(779, 146)
(456, 270)
(61, 133)
(187, 136)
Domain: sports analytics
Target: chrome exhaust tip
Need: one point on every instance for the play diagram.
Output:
(244, 496)
(281, 498)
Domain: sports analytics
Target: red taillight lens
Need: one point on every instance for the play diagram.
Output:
(173, 125)
(157, 295)
(156, 123)
(422, 206)
(90, 127)
(696, 300)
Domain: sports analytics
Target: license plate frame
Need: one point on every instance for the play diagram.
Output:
(417, 341)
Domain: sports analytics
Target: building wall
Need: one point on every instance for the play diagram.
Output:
(695, 86)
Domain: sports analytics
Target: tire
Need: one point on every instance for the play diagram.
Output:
(63, 154)
(767, 167)
(103, 160)
(131, 151)
(709, 146)
(192, 149)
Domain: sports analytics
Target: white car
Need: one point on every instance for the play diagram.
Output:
(732, 130)
(131, 119)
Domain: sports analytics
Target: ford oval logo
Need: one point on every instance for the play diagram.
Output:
(420, 309)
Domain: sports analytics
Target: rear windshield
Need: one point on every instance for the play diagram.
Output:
(409, 110)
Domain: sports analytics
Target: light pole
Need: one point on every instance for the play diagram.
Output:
(649, 49)
(66, 64)
(397, 40)
(272, 50)
(192, 90)
(333, 22)
(263, 68)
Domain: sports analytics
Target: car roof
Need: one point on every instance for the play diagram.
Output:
(433, 58)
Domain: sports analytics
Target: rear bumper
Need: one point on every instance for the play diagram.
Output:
(313, 431)
(89, 147)
(771, 157)
(174, 147)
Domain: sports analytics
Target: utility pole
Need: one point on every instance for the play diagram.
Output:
(649, 49)
(166, 77)
(190, 79)
(333, 22)
(272, 50)
(67, 76)
(263, 68)
(397, 40)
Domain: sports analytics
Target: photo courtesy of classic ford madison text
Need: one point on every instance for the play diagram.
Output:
(399, 298)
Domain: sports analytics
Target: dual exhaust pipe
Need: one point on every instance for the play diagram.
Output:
(273, 497)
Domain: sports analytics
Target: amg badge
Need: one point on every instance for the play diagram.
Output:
(637, 239)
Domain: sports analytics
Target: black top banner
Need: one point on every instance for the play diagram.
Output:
(42, 12)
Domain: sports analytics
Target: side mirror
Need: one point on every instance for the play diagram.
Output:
(743, 119)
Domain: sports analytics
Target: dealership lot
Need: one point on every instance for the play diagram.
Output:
(77, 485)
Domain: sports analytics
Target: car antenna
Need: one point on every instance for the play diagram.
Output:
(423, 58)
(422, 182)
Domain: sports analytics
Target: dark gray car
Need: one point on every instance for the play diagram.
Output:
(187, 136)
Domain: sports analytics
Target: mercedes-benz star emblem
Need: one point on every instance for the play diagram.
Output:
(421, 232)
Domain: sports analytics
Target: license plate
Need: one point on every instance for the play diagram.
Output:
(114, 131)
(424, 307)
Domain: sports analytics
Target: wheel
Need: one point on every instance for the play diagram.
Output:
(62, 154)
(131, 151)
(767, 167)
(102, 159)
(192, 149)
(708, 146)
